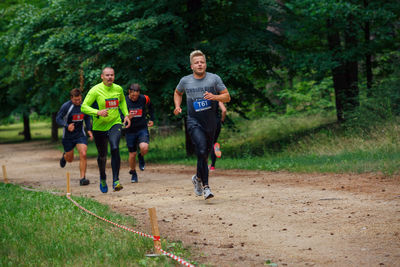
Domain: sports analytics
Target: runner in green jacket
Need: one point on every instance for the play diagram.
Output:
(103, 103)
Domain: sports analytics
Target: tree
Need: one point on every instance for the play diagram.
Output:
(347, 27)
(60, 46)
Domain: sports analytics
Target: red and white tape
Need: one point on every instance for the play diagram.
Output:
(155, 238)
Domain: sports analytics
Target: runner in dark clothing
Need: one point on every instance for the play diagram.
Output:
(203, 91)
(71, 118)
(139, 106)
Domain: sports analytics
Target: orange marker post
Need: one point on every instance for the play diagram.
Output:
(5, 174)
(154, 230)
(68, 187)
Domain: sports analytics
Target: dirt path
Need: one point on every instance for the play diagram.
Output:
(291, 219)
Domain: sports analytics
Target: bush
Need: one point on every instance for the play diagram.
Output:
(381, 103)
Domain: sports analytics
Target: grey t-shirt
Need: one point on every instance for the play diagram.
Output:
(201, 109)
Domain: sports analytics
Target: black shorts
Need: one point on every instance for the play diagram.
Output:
(69, 144)
(135, 138)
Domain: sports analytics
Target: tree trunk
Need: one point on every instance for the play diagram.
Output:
(368, 56)
(193, 6)
(352, 91)
(27, 128)
(345, 76)
(338, 73)
(54, 127)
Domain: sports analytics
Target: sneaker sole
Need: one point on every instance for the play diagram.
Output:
(209, 196)
(104, 191)
(217, 150)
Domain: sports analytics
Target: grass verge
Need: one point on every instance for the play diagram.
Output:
(41, 229)
(298, 144)
(312, 143)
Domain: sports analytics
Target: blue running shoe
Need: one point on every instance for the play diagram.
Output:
(141, 162)
(117, 186)
(103, 186)
(134, 178)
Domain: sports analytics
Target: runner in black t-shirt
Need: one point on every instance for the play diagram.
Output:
(71, 118)
(139, 106)
(203, 91)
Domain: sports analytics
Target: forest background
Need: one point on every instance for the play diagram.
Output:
(280, 60)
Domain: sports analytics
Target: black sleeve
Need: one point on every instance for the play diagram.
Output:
(60, 115)
(88, 122)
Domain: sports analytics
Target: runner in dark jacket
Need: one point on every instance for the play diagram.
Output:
(71, 118)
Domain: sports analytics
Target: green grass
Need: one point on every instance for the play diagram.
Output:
(40, 130)
(42, 229)
(312, 143)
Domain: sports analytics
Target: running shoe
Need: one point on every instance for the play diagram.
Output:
(63, 161)
(198, 190)
(103, 186)
(217, 150)
(84, 181)
(134, 178)
(141, 162)
(207, 193)
(212, 168)
(117, 186)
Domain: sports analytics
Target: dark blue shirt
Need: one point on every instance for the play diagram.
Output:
(69, 113)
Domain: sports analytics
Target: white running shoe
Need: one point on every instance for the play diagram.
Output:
(207, 193)
(198, 190)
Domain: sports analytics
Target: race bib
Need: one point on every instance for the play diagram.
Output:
(77, 117)
(201, 105)
(112, 103)
(136, 113)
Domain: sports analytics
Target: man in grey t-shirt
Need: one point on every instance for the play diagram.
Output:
(203, 91)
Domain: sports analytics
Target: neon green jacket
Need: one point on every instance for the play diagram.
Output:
(110, 98)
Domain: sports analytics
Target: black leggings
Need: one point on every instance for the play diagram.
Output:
(203, 144)
(101, 138)
(217, 131)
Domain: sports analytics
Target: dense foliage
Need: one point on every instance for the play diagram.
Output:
(274, 56)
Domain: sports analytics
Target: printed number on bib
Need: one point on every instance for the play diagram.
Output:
(201, 105)
(77, 117)
(112, 103)
(136, 113)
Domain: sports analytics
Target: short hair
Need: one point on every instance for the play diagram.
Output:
(196, 53)
(134, 87)
(106, 68)
(75, 92)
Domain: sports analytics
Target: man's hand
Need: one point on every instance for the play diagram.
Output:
(90, 135)
(177, 110)
(71, 127)
(209, 96)
(102, 113)
(127, 122)
(150, 124)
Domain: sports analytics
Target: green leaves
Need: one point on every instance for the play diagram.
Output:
(145, 41)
